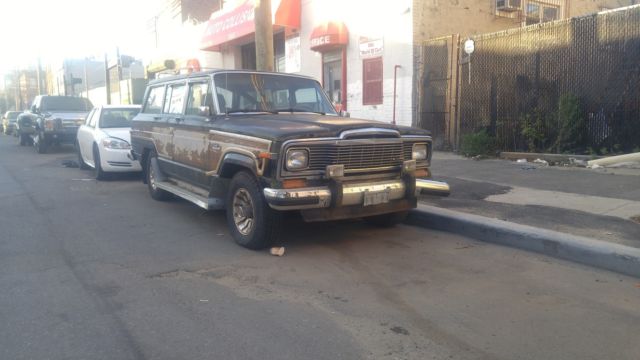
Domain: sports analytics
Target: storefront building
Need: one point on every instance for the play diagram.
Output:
(361, 51)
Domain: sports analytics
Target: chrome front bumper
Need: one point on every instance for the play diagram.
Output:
(347, 194)
(432, 187)
(298, 199)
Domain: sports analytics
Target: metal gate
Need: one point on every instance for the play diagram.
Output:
(437, 68)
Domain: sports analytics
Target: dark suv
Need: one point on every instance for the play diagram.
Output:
(259, 144)
(57, 119)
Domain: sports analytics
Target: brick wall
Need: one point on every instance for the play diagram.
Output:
(435, 18)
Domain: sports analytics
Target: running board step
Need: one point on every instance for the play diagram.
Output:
(207, 203)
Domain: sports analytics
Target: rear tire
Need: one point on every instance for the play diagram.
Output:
(252, 223)
(155, 192)
(387, 220)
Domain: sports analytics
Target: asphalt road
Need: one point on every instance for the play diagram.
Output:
(99, 270)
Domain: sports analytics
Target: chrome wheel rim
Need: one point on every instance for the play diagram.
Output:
(243, 212)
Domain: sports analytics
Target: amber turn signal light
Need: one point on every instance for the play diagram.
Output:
(294, 183)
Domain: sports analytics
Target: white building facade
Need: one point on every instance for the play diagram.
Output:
(360, 50)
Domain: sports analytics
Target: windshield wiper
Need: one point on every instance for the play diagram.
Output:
(235, 111)
(292, 110)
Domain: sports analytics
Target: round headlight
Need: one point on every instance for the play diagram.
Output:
(419, 152)
(297, 159)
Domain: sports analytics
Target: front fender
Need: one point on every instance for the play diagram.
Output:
(233, 161)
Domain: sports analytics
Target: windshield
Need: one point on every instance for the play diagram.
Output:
(117, 118)
(246, 92)
(12, 115)
(65, 103)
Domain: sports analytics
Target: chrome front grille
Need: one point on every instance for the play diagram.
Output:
(72, 123)
(356, 156)
(359, 156)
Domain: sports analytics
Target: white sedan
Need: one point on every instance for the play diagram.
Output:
(104, 141)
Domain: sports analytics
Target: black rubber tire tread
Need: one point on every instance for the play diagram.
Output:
(157, 194)
(81, 164)
(268, 225)
(97, 168)
(387, 220)
(41, 146)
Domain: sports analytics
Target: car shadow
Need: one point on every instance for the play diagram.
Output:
(60, 149)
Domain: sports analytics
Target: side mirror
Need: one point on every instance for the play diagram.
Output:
(33, 109)
(345, 113)
(204, 111)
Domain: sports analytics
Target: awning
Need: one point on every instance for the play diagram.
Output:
(329, 36)
(227, 25)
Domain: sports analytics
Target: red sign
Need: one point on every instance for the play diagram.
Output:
(226, 26)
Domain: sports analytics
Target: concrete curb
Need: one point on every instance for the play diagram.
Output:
(596, 253)
(507, 155)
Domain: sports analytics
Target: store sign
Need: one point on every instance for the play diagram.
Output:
(323, 40)
(292, 55)
(370, 48)
(232, 23)
(225, 26)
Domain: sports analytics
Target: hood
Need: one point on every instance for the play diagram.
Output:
(120, 133)
(280, 127)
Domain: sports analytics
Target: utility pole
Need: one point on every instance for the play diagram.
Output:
(264, 35)
(86, 79)
(39, 77)
(119, 65)
(107, 82)
(18, 93)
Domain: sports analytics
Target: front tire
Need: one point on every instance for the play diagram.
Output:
(155, 192)
(253, 224)
(81, 164)
(20, 139)
(387, 220)
(97, 169)
(41, 145)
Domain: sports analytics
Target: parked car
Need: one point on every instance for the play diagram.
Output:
(9, 121)
(259, 144)
(57, 120)
(25, 128)
(103, 142)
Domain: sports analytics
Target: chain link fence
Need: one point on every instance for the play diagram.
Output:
(568, 85)
(571, 85)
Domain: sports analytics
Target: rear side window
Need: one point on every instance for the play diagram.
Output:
(175, 99)
(153, 105)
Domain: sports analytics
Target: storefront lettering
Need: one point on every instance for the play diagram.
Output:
(231, 22)
(321, 40)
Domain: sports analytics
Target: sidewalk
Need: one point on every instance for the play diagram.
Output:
(599, 204)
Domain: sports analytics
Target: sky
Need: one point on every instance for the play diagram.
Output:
(57, 29)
